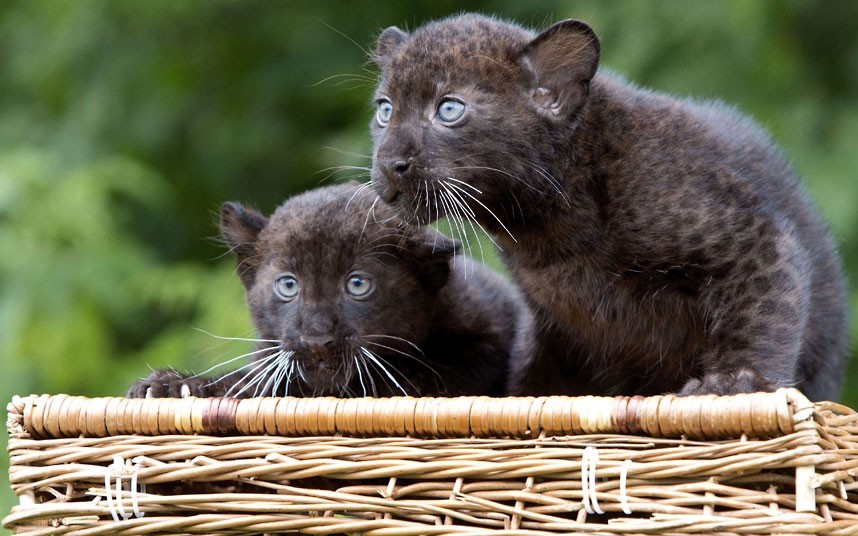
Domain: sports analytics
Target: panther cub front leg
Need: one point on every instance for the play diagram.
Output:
(173, 384)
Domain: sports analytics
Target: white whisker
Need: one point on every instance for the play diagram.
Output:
(400, 339)
(472, 218)
(301, 372)
(471, 186)
(227, 362)
(347, 153)
(468, 215)
(289, 375)
(487, 209)
(233, 338)
(363, 362)
(550, 179)
(502, 172)
(372, 357)
(256, 373)
(284, 370)
(357, 192)
(406, 354)
(258, 380)
(344, 168)
(276, 375)
(252, 364)
(360, 374)
(272, 376)
(455, 224)
(352, 78)
(366, 220)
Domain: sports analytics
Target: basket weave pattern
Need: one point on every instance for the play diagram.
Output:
(767, 463)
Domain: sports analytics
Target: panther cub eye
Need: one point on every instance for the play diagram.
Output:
(359, 285)
(384, 112)
(286, 287)
(450, 110)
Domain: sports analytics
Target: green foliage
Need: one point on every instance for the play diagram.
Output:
(124, 125)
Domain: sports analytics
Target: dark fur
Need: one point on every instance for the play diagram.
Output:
(664, 244)
(467, 321)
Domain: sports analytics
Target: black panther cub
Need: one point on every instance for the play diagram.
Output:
(350, 301)
(664, 245)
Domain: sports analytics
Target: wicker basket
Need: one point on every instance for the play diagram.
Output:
(770, 463)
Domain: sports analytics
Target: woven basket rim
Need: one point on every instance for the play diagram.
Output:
(666, 416)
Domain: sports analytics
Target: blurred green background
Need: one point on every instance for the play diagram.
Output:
(124, 125)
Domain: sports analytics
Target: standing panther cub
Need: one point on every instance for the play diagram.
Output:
(347, 300)
(664, 245)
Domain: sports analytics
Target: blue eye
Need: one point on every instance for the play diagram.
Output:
(359, 285)
(286, 287)
(450, 110)
(384, 112)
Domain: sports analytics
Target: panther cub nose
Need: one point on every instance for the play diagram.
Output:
(401, 167)
(319, 345)
(394, 170)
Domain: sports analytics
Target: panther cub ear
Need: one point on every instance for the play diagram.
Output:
(240, 227)
(560, 62)
(431, 253)
(389, 40)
